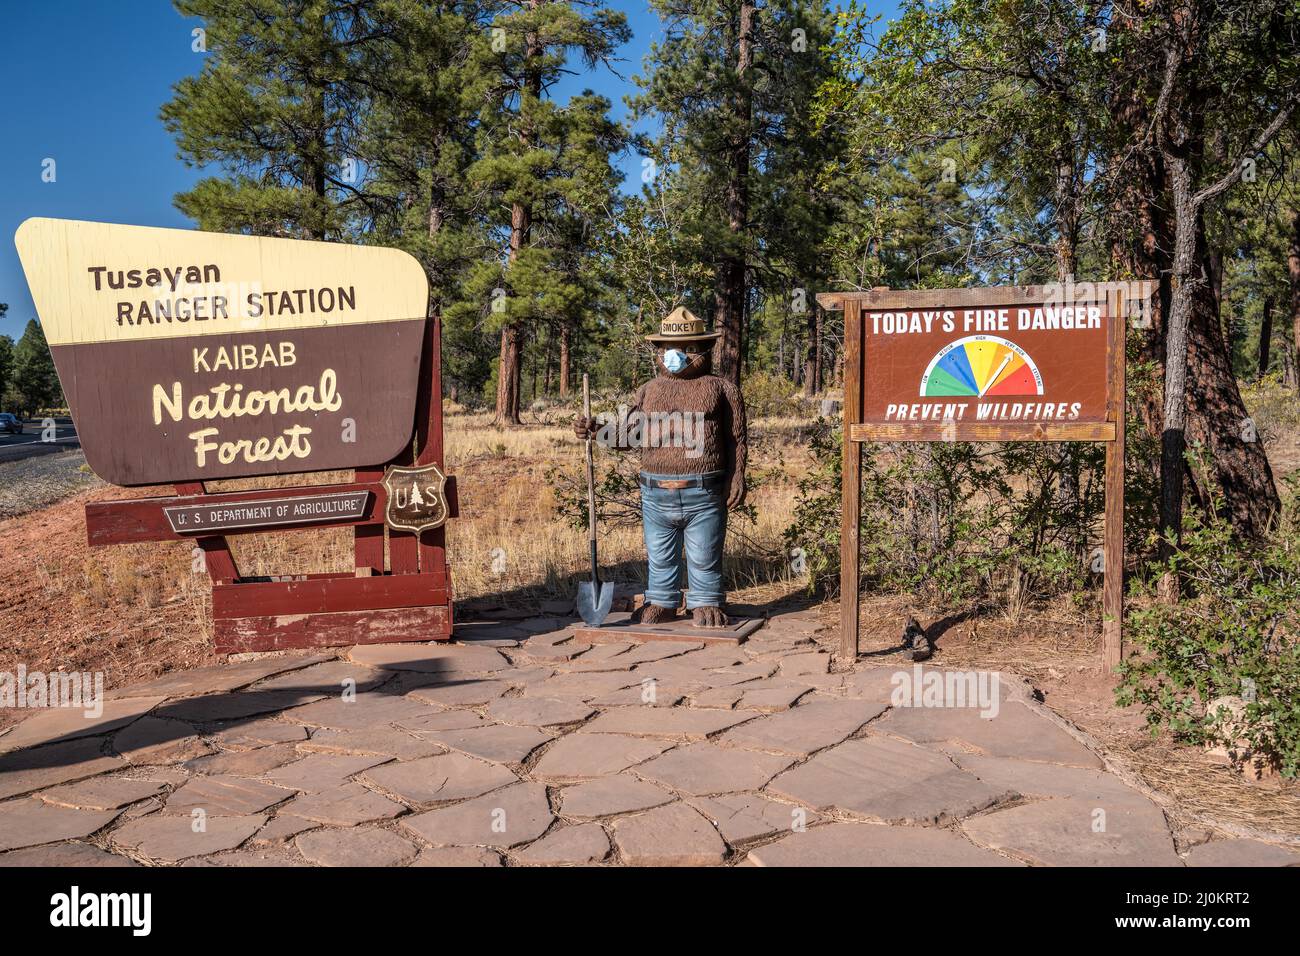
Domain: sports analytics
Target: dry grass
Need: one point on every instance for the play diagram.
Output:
(510, 539)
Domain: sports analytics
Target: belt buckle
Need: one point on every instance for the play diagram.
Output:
(674, 485)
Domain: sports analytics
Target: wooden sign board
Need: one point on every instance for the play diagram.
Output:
(1016, 363)
(189, 356)
(264, 513)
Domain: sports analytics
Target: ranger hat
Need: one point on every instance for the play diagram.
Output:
(682, 325)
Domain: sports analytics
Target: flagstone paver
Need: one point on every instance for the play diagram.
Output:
(221, 678)
(68, 723)
(500, 743)
(888, 780)
(159, 740)
(437, 721)
(1241, 852)
(170, 839)
(22, 771)
(1066, 831)
(582, 686)
(1033, 778)
(679, 722)
(102, 793)
(381, 741)
(262, 732)
(363, 712)
(65, 855)
(867, 844)
(454, 856)
(460, 693)
(285, 827)
(798, 665)
(451, 776)
(1014, 731)
(317, 772)
(742, 817)
(369, 847)
(439, 658)
(705, 768)
(577, 756)
(332, 677)
(778, 694)
(31, 822)
(237, 706)
(672, 835)
(502, 819)
(248, 763)
(606, 796)
(227, 795)
(346, 805)
(538, 711)
(673, 753)
(652, 694)
(578, 845)
(805, 729)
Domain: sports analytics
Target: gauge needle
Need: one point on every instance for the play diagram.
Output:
(988, 382)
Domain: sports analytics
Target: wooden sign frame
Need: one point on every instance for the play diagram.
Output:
(406, 598)
(856, 306)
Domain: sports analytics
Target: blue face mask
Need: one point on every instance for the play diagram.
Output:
(675, 360)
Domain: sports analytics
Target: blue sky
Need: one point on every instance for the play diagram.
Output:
(82, 83)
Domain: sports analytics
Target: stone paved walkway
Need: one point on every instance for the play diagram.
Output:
(517, 746)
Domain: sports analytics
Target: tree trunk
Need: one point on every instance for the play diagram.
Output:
(1265, 337)
(729, 314)
(1293, 273)
(508, 377)
(1199, 377)
(565, 335)
(1067, 245)
(521, 224)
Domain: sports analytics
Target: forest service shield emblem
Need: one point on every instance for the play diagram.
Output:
(417, 501)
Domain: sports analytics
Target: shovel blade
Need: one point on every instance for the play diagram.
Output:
(594, 601)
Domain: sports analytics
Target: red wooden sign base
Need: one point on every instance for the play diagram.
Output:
(404, 598)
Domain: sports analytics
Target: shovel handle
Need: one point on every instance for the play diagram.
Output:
(591, 478)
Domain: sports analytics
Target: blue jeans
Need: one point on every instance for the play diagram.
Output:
(696, 518)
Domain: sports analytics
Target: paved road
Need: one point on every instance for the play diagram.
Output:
(33, 441)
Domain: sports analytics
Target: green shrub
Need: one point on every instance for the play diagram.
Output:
(947, 522)
(767, 394)
(1235, 633)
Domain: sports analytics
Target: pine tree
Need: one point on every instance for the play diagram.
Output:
(733, 84)
(35, 381)
(272, 108)
(539, 163)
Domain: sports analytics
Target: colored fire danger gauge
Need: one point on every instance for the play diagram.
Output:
(981, 365)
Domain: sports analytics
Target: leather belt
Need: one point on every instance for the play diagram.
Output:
(678, 484)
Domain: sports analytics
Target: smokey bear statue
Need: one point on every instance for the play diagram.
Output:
(689, 426)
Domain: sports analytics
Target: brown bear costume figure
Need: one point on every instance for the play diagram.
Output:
(690, 427)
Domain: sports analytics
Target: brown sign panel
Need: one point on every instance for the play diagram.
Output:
(268, 512)
(1005, 362)
(417, 499)
(190, 356)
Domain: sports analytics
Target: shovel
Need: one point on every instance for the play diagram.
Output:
(595, 597)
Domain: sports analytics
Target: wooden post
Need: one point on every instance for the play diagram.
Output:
(1112, 628)
(851, 467)
(216, 552)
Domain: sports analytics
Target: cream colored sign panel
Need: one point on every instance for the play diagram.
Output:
(100, 282)
(189, 356)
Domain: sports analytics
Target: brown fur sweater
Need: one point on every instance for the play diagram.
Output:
(685, 444)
